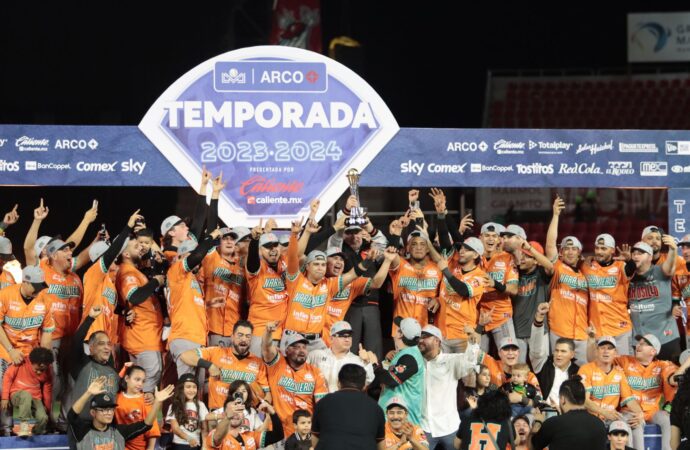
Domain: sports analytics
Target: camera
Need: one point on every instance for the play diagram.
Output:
(238, 397)
(679, 378)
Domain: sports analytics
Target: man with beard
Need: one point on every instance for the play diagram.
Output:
(651, 306)
(522, 427)
(227, 364)
(230, 435)
(655, 238)
(608, 282)
(569, 295)
(500, 267)
(142, 338)
(295, 384)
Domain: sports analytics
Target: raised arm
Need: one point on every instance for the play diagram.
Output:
(268, 348)
(292, 252)
(253, 263)
(212, 219)
(89, 217)
(541, 259)
(197, 225)
(669, 266)
(40, 214)
(310, 228)
(552, 234)
(198, 254)
(388, 256)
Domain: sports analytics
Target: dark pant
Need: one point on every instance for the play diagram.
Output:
(669, 350)
(366, 328)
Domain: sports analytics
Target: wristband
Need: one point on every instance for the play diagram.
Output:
(500, 287)
(538, 324)
(206, 364)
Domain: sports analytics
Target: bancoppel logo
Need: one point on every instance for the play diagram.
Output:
(76, 144)
(625, 147)
(654, 168)
(9, 166)
(618, 168)
(550, 148)
(678, 148)
(505, 147)
(29, 144)
(467, 146)
(534, 169)
(51, 166)
(579, 169)
(3, 142)
(233, 76)
(30, 165)
(593, 149)
(476, 167)
(680, 169)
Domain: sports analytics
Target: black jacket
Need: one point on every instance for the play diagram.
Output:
(548, 372)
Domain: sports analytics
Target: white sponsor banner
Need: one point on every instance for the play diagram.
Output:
(659, 37)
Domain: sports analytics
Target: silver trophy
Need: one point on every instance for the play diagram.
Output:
(357, 214)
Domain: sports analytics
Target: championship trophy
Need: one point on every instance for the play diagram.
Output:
(357, 214)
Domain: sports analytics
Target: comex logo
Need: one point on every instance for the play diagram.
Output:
(654, 168)
(651, 31)
(233, 76)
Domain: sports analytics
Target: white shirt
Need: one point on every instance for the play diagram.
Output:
(440, 407)
(559, 377)
(330, 366)
(193, 426)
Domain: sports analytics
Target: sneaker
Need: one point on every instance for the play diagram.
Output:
(24, 429)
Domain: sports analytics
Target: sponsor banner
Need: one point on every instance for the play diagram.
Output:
(532, 158)
(659, 37)
(679, 212)
(284, 125)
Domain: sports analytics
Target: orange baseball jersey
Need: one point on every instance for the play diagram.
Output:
(568, 315)
(294, 389)
(267, 296)
(21, 322)
(499, 377)
(145, 333)
(392, 439)
(307, 302)
(133, 409)
(608, 297)
(456, 311)
(186, 305)
(412, 290)
(221, 279)
(679, 279)
(250, 369)
(6, 279)
(500, 267)
(99, 290)
(648, 383)
(340, 303)
(251, 440)
(607, 390)
(65, 293)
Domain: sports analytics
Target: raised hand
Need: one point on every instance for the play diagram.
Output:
(412, 195)
(133, 218)
(214, 371)
(97, 386)
(390, 254)
(312, 227)
(352, 202)
(271, 224)
(340, 223)
(297, 225)
(373, 254)
(41, 212)
(624, 253)
(467, 223)
(206, 176)
(363, 354)
(164, 394)
(314, 207)
(91, 214)
(439, 200)
(95, 311)
(272, 326)
(668, 240)
(405, 219)
(11, 217)
(558, 206)
(258, 230)
(542, 311)
(218, 183)
(485, 316)
(395, 228)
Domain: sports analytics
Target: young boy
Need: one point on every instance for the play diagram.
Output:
(29, 386)
(301, 439)
(619, 435)
(518, 383)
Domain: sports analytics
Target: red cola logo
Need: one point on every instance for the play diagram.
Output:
(258, 185)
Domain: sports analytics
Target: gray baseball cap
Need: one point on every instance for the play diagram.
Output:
(168, 223)
(241, 232)
(571, 241)
(40, 244)
(100, 247)
(292, 339)
(516, 230)
(474, 244)
(606, 240)
(643, 247)
(492, 227)
(340, 326)
(316, 255)
(409, 327)
(35, 276)
(268, 238)
(56, 245)
(619, 425)
(6, 248)
(284, 239)
(225, 231)
(335, 251)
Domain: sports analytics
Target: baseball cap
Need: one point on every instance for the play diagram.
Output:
(168, 223)
(619, 425)
(226, 231)
(292, 339)
(6, 248)
(316, 255)
(685, 240)
(185, 377)
(341, 326)
(432, 331)
(409, 327)
(651, 340)
(536, 246)
(33, 275)
(474, 244)
(335, 251)
(396, 401)
(104, 400)
(571, 241)
(268, 238)
(417, 233)
(186, 246)
(643, 247)
(607, 239)
(241, 232)
(492, 227)
(100, 247)
(56, 245)
(508, 342)
(606, 340)
(40, 244)
(284, 239)
(516, 230)
(650, 229)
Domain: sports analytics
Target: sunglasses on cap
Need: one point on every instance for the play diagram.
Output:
(270, 245)
(284, 244)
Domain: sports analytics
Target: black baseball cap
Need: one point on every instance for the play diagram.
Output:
(104, 400)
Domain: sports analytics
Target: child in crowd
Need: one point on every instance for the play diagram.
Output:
(241, 392)
(518, 383)
(301, 438)
(132, 408)
(187, 415)
(29, 387)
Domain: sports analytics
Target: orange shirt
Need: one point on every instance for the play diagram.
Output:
(500, 267)
(608, 297)
(307, 302)
(23, 323)
(6, 279)
(133, 409)
(252, 441)
(392, 439)
(457, 311)
(568, 316)
(224, 279)
(267, 297)
(294, 389)
(145, 333)
(65, 293)
(340, 303)
(186, 305)
(99, 290)
(250, 369)
(648, 383)
(412, 290)
(607, 390)
(499, 377)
